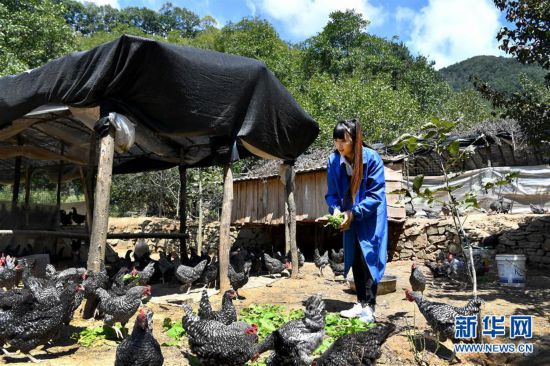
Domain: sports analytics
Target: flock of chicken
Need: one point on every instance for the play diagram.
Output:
(35, 314)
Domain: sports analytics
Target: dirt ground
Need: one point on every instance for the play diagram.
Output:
(534, 300)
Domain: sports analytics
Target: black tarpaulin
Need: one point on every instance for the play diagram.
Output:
(194, 100)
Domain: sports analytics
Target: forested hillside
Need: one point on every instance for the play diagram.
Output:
(502, 73)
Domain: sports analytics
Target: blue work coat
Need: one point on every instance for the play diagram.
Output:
(370, 219)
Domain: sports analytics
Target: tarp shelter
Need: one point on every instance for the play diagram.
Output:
(190, 107)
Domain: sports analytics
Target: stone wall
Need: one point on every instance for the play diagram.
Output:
(427, 239)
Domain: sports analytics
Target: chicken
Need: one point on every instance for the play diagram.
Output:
(294, 342)
(166, 266)
(188, 275)
(238, 280)
(320, 261)
(195, 259)
(31, 325)
(8, 273)
(417, 279)
(238, 258)
(356, 349)
(76, 245)
(539, 210)
(458, 270)
(141, 348)
(499, 206)
(274, 266)
(210, 274)
(141, 249)
(70, 274)
(337, 257)
(337, 268)
(146, 274)
(441, 317)
(438, 269)
(301, 257)
(226, 315)
(216, 344)
(76, 217)
(65, 218)
(121, 308)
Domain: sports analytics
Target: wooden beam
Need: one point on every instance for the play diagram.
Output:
(16, 181)
(28, 173)
(145, 138)
(16, 127)
(287, 172)
(90, 179)
(59, 178)
(36, 153)
(72, 234)
(225, 222)
(102, 194)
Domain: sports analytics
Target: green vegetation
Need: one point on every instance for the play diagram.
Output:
(97, 336)
(174, 330)
(502, 73)
(335, 220)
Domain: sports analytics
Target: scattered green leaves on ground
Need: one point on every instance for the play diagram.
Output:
(128, 277)
(174, 330)
(96, 336)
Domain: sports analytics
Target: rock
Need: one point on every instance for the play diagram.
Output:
(545, 260)
(535, 237)
(413, 230)
(432, 230)
(437, 238)
(441, 230)
(546, 245)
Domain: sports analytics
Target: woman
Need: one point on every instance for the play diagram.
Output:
(356, 187)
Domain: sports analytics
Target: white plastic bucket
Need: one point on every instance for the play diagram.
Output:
(511, 269)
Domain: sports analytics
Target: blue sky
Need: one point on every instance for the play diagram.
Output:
(445, 31)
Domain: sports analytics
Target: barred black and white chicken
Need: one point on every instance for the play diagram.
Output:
(417, 279)
(320, 261)
(216, 344)
(226, 315)
(141, 348)
(187, 275)
(8, 272)
(441, 317)
(238, 280)
(356, 349)
(294, 342)
(273, 265)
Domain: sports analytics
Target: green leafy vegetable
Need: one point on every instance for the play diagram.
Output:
(335, 220)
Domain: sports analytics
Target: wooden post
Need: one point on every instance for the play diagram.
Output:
(98, 239)
(16, 183)
(183, 209)
(89, 187)
(199, 229)
(290, 215)
(59, 178)
(225, 226)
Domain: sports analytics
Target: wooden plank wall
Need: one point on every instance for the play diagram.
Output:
(261, 201)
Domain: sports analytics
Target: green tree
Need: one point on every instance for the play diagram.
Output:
(32, 32)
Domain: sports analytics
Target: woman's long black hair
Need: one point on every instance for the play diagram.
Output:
(353, 128)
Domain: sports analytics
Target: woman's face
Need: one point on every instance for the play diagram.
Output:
(345, 146)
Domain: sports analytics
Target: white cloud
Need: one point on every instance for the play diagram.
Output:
(113, 3)
(451, 31)
(304, 18)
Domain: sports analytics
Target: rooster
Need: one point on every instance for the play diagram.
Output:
(320, 261)
(121, 308)
(294, 342)
(216, 344)
(227, 314)
(441, 317)
(141, 348)
(238, 280)
(356, 349)
(187, 275)
(417, 279)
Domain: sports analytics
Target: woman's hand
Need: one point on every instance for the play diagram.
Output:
(348, 218)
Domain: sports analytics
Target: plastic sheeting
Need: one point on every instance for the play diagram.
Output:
(532, 187)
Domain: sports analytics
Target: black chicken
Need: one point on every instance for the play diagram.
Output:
(210, 274)
(76, 217)
(141, 348)
(438, 269)
(238, 280)
(195, 259)
(320, 261)
(187, 275)
(294, 342)
(65, 218)
(356, 349)
(301, 258)
(226, 315)
(274, 266)
(441, 317)
(216, 344)
(417, 279)
(166, 266)
(121, 308)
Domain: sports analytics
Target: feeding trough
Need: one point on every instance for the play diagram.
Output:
(386, 285)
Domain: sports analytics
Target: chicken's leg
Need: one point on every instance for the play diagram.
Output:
(32, 358)
(118, 333)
